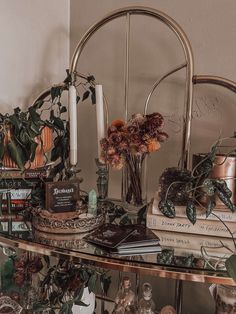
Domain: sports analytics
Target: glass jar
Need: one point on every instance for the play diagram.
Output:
(225, 297)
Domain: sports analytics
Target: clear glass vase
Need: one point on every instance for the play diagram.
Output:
(225, 297)
(134, 182)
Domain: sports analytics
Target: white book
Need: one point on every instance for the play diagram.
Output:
(192, 241)
(180, 212)
(182, 224)
(16, 226)
(17, 194)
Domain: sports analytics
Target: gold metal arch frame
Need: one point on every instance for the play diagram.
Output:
(181, 36)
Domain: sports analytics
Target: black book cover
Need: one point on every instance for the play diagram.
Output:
(109, 236)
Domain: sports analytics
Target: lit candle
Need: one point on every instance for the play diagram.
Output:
(73, 125)
(100, 116)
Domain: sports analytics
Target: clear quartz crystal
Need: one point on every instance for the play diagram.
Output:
(125, 299)
(146, 304)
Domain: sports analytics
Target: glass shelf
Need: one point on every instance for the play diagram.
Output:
(172, 262)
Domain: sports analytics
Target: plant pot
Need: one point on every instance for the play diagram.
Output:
(134, 182)
(44, 140)
(224, 168)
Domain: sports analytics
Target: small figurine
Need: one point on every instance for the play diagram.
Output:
(92, 203)
(125, 299)
(146, 304)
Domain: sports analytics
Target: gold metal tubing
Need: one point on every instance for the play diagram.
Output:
(127, 64)
(172, 24)
(216, 80)
(124, 265)
(158, 83)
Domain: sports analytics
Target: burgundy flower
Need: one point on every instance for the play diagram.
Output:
(111, 130)
(162, 136)
(104, 144)
(138, 118)
(19, 278)
(35, 265)
(111, 150)
(132, 128)
(116, 138)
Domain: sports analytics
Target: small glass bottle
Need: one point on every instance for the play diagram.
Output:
(125, 299)
(146, 304)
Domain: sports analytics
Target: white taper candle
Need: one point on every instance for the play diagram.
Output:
(100, 116)
(73, 125)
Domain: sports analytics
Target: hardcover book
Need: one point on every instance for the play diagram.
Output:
(142, 236)
(182, 224)
(109, 235)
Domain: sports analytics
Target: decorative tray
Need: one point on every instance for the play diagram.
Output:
(65, 223)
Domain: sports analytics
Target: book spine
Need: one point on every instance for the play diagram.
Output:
(207, 227)
(27, 174)
(16, 226)
(18, 183)
(189, 241)
(16, 194)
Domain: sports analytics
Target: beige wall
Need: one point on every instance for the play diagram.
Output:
(209, 25)
(34, 36)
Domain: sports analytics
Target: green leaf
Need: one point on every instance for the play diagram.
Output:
(84, 275)
(221, 185)
(226, 200)
(63, 109)
(68, 79)
(33, 147)
(86, 95)
(93, 95)
(79, 293)
(7, 271)
(167, 208)
(210, 206)
(40, 306)
(92, 282)
(39, 104)
(90, 78)
(55, 92)
(16, 154)
(77, 99)
(191, 212)
(230, 265)
(58, 123)
(35, 116)
(81, 303)
(15, 122)
(208, 187)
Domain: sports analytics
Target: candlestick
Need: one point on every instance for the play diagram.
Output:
(73, 125)
(100, 116)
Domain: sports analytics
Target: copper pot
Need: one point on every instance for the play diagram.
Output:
(224, 168)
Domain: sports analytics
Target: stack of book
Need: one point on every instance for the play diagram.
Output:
(210, 226)
(15, 194)
(125, 240)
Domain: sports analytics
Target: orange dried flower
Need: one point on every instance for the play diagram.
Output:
(118, 123)
(153, 145)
